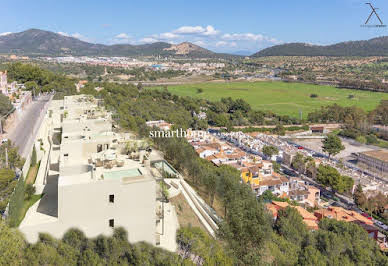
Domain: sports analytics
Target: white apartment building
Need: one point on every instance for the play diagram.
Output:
(90, 184)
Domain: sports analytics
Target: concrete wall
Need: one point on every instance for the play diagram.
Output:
(87, 207)
(78, 152)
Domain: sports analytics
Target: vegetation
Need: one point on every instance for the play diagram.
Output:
(373, 47)
(201, 248)
(30, 191)
(7, 185)
(332, 145)
(282, 98)
(247, 229)
(16, 204)
(248, 234)
(374, 204)
(330, 176)
(41, 80)
(32, 173)
(33, 156)
(14, 159)
(270, 150)
(75, 249)
(5, 105)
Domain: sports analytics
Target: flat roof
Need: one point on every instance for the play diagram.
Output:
(381, 155)
(122, 173)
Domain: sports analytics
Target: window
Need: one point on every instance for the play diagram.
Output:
(99, 148)
(112, 198)
(66, 155)
(111, 222)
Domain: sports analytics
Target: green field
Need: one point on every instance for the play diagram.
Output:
(281, 97)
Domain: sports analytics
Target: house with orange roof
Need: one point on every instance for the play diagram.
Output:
(341, 214)
(308, 218)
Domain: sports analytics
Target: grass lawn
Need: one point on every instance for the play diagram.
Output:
(32, 173)
(281, 97)
(27, 204)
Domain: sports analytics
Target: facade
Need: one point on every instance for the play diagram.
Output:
(3, 81)
(304, 193)
(90, 184)
(376, 160)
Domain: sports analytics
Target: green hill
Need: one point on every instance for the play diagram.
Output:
(373, 47)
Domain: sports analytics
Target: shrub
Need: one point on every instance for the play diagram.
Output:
(33, 156)
(30, 190)
(16, 203)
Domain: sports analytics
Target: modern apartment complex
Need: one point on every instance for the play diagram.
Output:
(90, 183)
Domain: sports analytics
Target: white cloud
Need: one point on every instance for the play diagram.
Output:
(210, 30)
(169, 35)
(122, 36)
(196, 30)
(74, 35)
(189, 30)
(248, 37)
(63, 33)
(78, 36)
(208, 37)
(5, 33)
(225, 44)
(221, 43)
(148, 40)
(199, 42)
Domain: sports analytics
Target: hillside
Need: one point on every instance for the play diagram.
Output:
(40, 43)
(373, 47)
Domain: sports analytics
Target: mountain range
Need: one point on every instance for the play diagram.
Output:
(36, 42)
(40, 43)
(373, 47)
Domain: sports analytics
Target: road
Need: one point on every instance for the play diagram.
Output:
(23, 134)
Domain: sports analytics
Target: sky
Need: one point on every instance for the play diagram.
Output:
(222, 26)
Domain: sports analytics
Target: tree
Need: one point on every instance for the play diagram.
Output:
(329, 176)
(33, 156)
(14, 159)
(211, 186)
(298, 163)
(140, 86)
(199, 90)
(361, 139)
(202, 249)
(359, 197)
(30, 190)
(332, 145)
(290, 225)
(270, 150)
(5, 105)
(279, 130)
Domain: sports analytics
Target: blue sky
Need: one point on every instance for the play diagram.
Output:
(223, 26)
